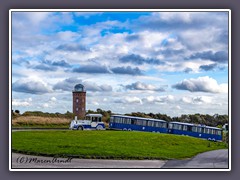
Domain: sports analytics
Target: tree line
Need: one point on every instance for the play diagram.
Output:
(209, 120)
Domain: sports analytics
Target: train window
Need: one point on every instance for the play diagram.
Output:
(184, 128)
(133, 121)
(194, 129)
(204, 130)
(199, 130)
(152, 123)
(94, 119)
(160, 124)
(179, 127)
(164, 125)
(189, 128)
(215, 131)
(126, 121)
(118, 120)
(170, 125)
(156, 124)
(148, 123)
(139, 122)
(219, 132)
(144, 122)
(207, 131)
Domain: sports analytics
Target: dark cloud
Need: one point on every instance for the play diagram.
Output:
(72, 47)
(97, 69)
(61, 63)
(69, 83)
(31, 87)
(138, 60)
(142, 86)
(127, 70)
(171, 52)
(91, 69)
(133, 37)
(219, 56)
(94, 87)
(45, 67)
(208, 67)
(188, 70)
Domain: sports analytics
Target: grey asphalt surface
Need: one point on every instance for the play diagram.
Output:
(212, 159)
(208, 160)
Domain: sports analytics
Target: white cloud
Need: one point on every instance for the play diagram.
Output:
(53, 99)
(131, 100)
(45, 105)
(159, 99)
(196, 100)
(142, 86)
(19, 103)
(175, 16)
(202, 84)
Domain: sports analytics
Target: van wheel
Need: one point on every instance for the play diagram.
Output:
(80, 128)
(99, 127)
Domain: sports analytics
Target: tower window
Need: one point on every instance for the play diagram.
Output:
(77, 100)
(77, 109)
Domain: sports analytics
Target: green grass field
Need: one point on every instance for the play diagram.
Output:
(110, 144)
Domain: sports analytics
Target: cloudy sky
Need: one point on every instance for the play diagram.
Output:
(162, 62)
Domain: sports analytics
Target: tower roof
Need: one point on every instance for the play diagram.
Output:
(79, 88)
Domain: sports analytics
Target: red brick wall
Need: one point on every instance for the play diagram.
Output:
(79, 104)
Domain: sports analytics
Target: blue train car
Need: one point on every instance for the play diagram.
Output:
(199, 131)
(130, 123)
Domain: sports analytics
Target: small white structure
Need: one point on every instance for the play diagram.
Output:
(91, 122)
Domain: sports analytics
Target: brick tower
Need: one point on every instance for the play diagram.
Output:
(79, 101)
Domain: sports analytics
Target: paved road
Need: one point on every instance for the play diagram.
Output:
(27, 161)
(213, 159)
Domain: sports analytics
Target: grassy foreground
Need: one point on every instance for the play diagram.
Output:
(110, 144)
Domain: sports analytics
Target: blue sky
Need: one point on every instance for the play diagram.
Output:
(162, 62)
